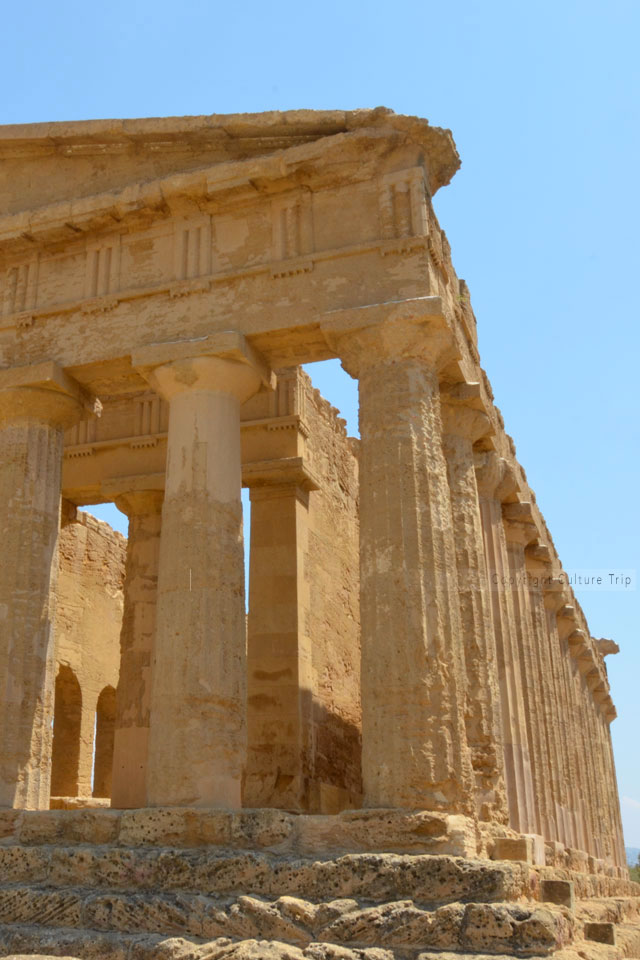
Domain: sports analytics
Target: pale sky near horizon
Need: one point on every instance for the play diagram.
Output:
(543, 102)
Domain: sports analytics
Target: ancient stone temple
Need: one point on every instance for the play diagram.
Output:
(403, 746)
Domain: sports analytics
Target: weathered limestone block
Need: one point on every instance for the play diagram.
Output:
(601, 932)
(414, 747)
(35, 406)
(514, 848)
(395, 829)
(558, 891)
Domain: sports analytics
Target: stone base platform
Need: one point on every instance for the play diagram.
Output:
(399, 831)
(185, 884)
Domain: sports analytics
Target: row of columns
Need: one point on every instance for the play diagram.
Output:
(464, 689)
(557, 743)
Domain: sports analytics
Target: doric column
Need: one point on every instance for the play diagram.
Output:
(606, 831)
(197, 740)
(415, 752)
(590, 798)
(519, 532)
(538, 567)
(36, 405)
(584, 786)
(553, 592)
(143, 507)
(495, 483)
(463, 425)
(618, 849)
(279, 668)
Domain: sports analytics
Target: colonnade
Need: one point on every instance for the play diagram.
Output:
(475, 699)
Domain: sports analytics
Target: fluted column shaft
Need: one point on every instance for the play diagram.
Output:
(32, 421)
(518, 535)
(589, 815)
(598, 787)
(618, 850)
(137, 638)
(462, 426)
(552, 739)
(494, 482)
(553, 599)
(584, 784)
(607, 828)
(197, 740)
(607, 838)
(576, 765)
(415, 753)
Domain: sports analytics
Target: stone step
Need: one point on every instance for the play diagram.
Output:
(263, 829)
(628, 939)
(590, 886)
(522, 928)
(77, 922)
(214, 871)
(609, 909)
(92, 945)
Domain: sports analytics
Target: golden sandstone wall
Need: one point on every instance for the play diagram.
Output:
(88, 621)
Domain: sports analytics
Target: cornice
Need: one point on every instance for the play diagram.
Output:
(241, 135)
(204, 189)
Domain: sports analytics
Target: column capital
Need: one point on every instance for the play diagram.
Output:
(137, 495)
(44, 393)
(537, 558)
(567, 620)
(553, 588)
(496, 477)
(364, 337)
(223, 362)
(140, 503)
(519, 523)
(518, 532)
(463, 412)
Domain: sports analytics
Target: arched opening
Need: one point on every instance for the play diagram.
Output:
(65, 757)
(105, 726)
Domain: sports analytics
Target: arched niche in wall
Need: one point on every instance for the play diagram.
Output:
(105, 726)
(67, 716)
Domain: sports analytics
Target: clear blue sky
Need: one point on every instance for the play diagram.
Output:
(543, 217)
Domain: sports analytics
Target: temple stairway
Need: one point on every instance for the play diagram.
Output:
(101, 885)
